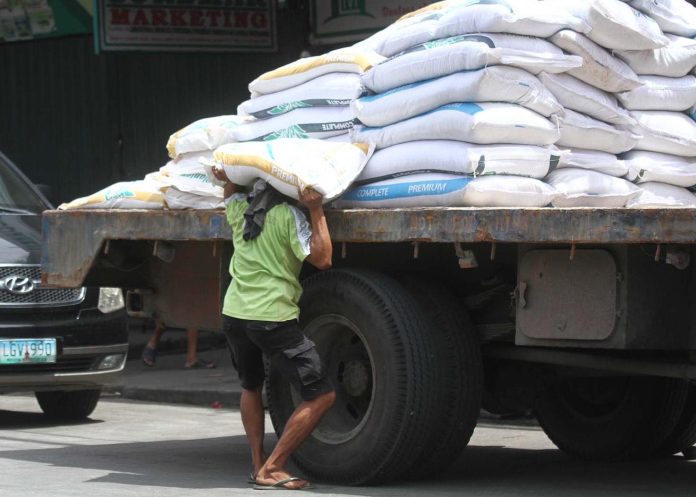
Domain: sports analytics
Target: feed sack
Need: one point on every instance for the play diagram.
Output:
(584, 188)
(330, 90)
(493, 84)
(483, 123)
(443, 190)
(663, 168)
(578, 131)
(599, 68)
(453, 157)
(289, 164)
(466, 52)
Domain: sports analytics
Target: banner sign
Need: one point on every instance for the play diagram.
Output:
(33, 19)
(338, 21)
(187, 25)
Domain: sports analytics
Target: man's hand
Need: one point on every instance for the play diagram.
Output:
(220, 174)
(310, 198)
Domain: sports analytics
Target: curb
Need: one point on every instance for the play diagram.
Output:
(192, 397)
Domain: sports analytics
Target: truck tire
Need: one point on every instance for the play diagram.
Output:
(610, 417)
(68, 405)
(684, 434)
(376, 350)
(458, 351)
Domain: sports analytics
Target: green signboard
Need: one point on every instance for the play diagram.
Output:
(33, 19)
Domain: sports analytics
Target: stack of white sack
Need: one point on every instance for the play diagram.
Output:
(652, 54)
(308, 98)
(458, 116)
(189, 186)
(291, 165)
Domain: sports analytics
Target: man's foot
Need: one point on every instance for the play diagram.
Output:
(200, 364)
(290, 483)
(149, 356)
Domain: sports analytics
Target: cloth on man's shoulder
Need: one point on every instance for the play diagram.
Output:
(262, 198)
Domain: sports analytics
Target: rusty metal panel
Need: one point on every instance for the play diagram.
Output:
(509, 225)
(564, 299)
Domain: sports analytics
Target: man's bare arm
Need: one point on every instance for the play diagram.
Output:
(321, 249)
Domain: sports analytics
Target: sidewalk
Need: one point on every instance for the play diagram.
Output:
(169, 381)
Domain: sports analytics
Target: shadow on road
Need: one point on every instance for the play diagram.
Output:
(221, 462)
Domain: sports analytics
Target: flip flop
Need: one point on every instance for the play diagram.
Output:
(201, 364)
(280, 485)
(251, 479)
(149, 356)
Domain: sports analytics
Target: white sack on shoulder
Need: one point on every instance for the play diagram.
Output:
(660, 195)
(460, 53)
(581, 131)
(204, 134)
(493, 84)
(667, 132)
(176, 199)
(602, 162)
(140, 194)
(584, 188)
(445, 19)
(616, 25)
(586, 99)
(453, 157)
(673, 16)
(484, 123)
(351, 60)
(599, 68)
(664, 168)
(661, 93)
(444, 190)
(675, 60)
(290, 164)
(312, 122)
(330, 90)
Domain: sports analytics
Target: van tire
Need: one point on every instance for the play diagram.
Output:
(68, 405)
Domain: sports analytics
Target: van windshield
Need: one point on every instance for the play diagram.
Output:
(16, 196)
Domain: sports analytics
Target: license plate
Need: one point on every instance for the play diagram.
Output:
(27, 351)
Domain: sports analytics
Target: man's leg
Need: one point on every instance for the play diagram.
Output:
(191, 346)
(300, 425)
(253, 419)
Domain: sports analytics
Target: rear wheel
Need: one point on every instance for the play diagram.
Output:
(610, 417)
(69, 405)
(683, 437)
(372, 340)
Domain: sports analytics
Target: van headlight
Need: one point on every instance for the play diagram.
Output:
(110, 300)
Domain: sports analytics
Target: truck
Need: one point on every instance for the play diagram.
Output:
(581, 316)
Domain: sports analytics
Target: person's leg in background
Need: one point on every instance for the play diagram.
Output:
(150, 350)
(192, 359)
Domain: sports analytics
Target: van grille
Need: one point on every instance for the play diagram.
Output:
(39, 296)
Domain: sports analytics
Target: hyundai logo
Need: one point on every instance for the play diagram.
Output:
(17, 284)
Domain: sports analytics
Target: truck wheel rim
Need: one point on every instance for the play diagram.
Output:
(350, 368)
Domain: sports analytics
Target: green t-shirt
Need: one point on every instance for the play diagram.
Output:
(265, 270)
